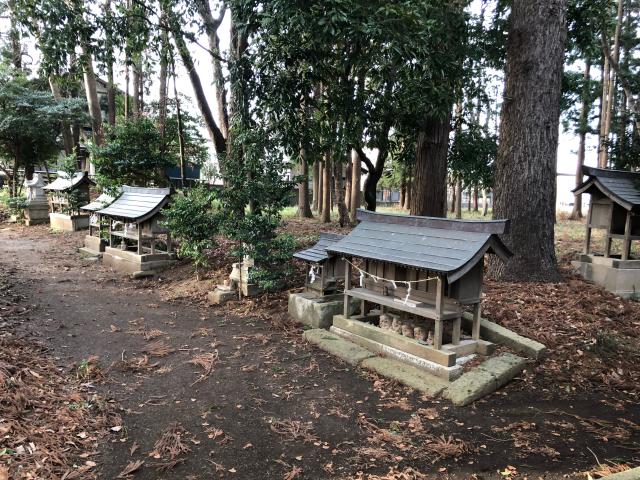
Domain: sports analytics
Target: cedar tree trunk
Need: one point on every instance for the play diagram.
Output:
(525, 178)
(429, 196)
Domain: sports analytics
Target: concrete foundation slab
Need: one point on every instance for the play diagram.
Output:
(93, 246)
(409, 375)
(68, 223)
(435, 369)
(620, 277)
(137, 266)
(498, 334)
(317, 312)
(484, 379)
(335, 345)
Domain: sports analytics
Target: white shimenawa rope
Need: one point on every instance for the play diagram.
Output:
(375, 278)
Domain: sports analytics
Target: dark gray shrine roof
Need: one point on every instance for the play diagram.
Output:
(137, 204)
(621, 186)
(63, 182)
(318, 253)
(451, 247)
(99, 203)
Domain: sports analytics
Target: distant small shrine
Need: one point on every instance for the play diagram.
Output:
(614, 208)
(37, 209)
(416, 276)
(97, 239)
(138, 242)
(65, 215)
(325, 269)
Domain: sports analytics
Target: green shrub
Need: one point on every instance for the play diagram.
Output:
(194, 221)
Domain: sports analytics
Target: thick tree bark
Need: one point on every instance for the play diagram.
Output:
(356, 173)
(326, 189)
(14, 37)
(525, 178)
(485, 202)
(576, 213)
(304, 210)
(320, 187)
(407, 197)
(348, 178)
(338, 177)
(458, 195)
(111, 90)
(314, 185)
(475, 199)
(429, 196)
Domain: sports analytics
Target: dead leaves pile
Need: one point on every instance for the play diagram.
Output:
(36, 395)
(593, 337)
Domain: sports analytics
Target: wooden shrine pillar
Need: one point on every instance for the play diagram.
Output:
(437, 335)
(609, 238)
(626, 249)
(587, 236)
(347, 287)
(475, 329)
(139, 238)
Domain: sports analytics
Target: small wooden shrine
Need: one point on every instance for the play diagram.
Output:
(65, 214)
(96, 241)
(325, 270)
(419, 274)
(138, 242)
(614, 208)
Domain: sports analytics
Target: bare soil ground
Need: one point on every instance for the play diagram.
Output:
(149, 382)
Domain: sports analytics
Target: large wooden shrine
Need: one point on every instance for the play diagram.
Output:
(415, 277)
(615, 210)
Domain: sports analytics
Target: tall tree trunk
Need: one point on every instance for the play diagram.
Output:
(338, 176)
(576, 213)
(320, 186)
(356, 173)
(111, 90)
(211, 25)
(407, 196)
(92, 97)
(430, 176)
(608, 89)
(348, 178)
(525, 190)
(485, 202)
(403, 192)
(315, 184)
(304, 210)
(454, 196)
(475, 199)
(458, 190)
(14, 37)
(216, 135)
(326, 189)
(469, 200)
(163, 78)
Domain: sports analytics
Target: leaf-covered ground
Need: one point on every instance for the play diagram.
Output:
(234, 392)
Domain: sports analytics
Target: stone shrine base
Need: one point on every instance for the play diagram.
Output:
(93, 246)
(137, 266)
(36, 214)
(620, 277)
(478, 382)
(318, 312)
(68, 223)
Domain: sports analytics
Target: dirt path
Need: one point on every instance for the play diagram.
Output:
(235, 398)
